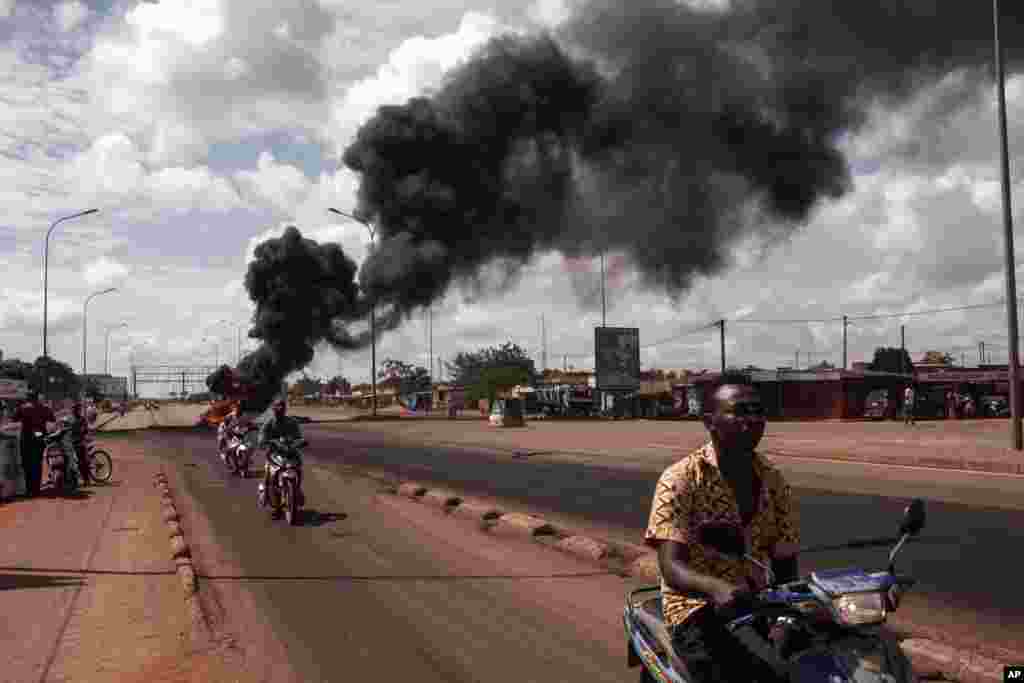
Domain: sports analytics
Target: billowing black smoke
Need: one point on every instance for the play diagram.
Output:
(646, 127)
(305, 294)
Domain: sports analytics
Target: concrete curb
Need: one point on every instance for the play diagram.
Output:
(930, 658)
(443, 499)
(520, 524)
(181, 553)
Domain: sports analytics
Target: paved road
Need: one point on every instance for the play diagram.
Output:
(967, 562)
(373, 587)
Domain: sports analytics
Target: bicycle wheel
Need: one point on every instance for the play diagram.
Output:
(102, 466)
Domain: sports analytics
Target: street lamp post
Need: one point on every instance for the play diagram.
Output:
(373, 313)
(46, 289)
(106, 360)
(216, 346)
(1011, 279)
(85, 311)
(46, 272)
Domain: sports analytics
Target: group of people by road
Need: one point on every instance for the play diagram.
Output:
(35, 418)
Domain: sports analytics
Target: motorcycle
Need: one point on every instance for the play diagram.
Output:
(61, 464)
(238, 453)
(98, 460)
(825, 628)
(285, 461)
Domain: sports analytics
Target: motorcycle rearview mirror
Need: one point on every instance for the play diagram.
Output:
(912, 524)
(913, 518)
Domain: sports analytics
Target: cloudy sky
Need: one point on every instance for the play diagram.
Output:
(199, 128)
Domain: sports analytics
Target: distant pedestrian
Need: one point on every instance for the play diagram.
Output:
(908, 406)
(34, 417)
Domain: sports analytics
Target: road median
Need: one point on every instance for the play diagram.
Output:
(932, 659)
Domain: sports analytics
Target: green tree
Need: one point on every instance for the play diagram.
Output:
(53, 378)
(338, 385)
(410, 378)
(494, 380)
(221, 380)
(890, 359)
(467, 368)
(937, 358)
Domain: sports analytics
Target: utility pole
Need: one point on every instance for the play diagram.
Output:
(903, 349)
(1011, 279)
(565, 363)
(604, 321)
(963, 359)
(543, 345)
(796, 366)
(845, 323)
(721, 324)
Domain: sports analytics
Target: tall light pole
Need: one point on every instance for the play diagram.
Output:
(46, 289)
(106, 362)
(1011, 278)
(46, 271)
(216, 346)
(373, 313)
(604, 319)
(85, 311)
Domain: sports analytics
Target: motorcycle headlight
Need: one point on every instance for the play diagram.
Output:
(855, 609)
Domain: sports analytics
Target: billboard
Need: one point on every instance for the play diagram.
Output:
(617, 362)
(13, 388)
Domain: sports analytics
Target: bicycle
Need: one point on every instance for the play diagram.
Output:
(101, 465)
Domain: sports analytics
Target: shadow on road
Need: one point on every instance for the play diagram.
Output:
(317, 518)
(10, 582)
(77, 494)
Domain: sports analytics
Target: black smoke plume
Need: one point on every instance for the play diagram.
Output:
(305, 294)
(649, 128)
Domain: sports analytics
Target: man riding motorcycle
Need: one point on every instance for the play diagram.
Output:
(278, 426)
(225, 428)
(723, 481)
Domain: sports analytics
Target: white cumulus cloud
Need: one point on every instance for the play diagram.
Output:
(70, 15)
(104, 270)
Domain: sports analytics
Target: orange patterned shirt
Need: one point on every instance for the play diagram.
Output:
(692, 492)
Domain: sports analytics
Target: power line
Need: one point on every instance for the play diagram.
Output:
(679, 336)
(927, 312)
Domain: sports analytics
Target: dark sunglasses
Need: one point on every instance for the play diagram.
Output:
(744, 409)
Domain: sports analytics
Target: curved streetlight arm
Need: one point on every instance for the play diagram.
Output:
(369, 226)
(373, 312)
(85, 311)
(46, 271)
(106, 361)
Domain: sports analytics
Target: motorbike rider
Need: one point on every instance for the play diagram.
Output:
(280, 425)
(78, 429)
(723, 481)
(224, 430)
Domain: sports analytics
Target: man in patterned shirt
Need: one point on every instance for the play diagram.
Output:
(724, 481)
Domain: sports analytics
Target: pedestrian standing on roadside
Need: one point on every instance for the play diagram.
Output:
(34, 417)
(908, 405)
